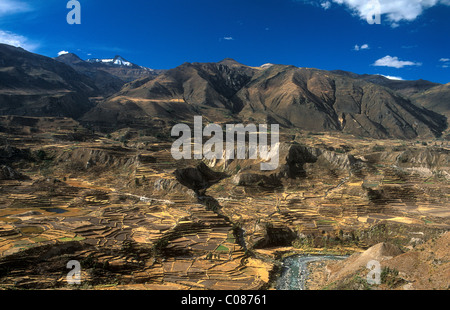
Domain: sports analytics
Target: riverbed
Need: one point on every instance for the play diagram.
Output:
(295, 271)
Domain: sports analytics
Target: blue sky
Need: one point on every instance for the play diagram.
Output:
(412, 41)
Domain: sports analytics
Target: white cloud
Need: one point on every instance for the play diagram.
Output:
(326, 5)
(362, 47)
(8, 7)
(11, 7)
(395, 10)
(394, 62)
(17, 40)
(228, 38)
(63, 53)
(446, 62)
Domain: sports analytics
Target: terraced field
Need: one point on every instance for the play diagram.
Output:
(135, 218)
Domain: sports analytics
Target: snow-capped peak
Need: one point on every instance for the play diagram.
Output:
(121, 62)
(118, 61)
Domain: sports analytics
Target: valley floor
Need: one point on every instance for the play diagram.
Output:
(136, 219)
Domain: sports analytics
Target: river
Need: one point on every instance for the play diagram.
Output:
(295, 271)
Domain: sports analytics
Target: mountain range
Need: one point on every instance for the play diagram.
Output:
(109, 75)
(309, 99)
(34, 85)
(114, 93)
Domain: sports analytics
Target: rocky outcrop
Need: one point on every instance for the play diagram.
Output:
(299, 155)
(431, 158)
(379, 252)
(426, 162)
(268, 235)
(10, 154)
(197, 178)
(87, 158)
(8, 173)
(252, 179)
(294, 160)
(173, 186)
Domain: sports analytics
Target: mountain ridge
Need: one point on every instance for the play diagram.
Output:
(227, 91)
(310, 99)
(118, 67)
(35, 85)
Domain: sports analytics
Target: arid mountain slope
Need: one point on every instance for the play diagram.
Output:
(106, 82)
(178, 94)
(321, 101)
(293, 97)
(433, 96)
(436, 99)
(223, 92)
(404, 87)
(35, 85)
